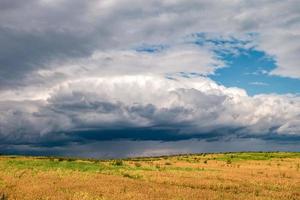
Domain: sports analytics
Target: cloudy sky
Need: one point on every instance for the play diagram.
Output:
(77, 73)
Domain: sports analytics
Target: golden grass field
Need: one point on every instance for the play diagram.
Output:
(202, 176)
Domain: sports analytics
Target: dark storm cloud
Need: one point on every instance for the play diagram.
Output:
(22, 53)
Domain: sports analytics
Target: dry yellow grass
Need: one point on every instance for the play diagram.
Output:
(207, 176)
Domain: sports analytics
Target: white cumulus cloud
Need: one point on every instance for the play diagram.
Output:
(191, 105)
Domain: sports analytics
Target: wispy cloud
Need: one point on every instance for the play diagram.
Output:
(258, 83)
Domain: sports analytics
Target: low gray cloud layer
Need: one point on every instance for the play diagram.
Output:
(129, 148)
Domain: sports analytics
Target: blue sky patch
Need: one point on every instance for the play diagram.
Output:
(250, 71)
(147, 48)
(247, 67)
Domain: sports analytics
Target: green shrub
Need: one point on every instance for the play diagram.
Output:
(138, 164)
(228, 161)
(118, 163)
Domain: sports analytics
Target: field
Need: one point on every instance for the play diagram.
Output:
(202, 176)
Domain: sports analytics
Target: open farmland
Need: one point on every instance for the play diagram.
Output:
(202, 176)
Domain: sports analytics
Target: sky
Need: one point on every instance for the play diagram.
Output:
(154, 77)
